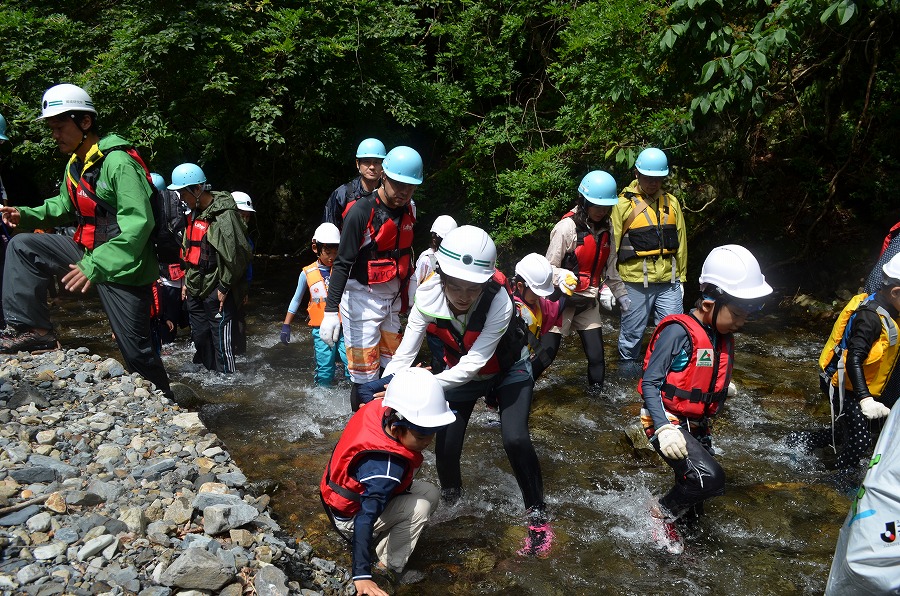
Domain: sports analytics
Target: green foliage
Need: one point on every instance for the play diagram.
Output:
(510, 102)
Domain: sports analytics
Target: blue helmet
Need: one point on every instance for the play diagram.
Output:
(403, 164)
(3, 136)
(187, 174)
(371, 148)
(158, 181)
(652, 162)
(599, 188)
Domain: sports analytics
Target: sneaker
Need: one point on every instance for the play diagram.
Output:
(666, 535)
(28, 341)
(538, 541)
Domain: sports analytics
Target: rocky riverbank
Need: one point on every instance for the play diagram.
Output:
(107, 487)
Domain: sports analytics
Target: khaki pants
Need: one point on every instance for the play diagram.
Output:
(398, 527)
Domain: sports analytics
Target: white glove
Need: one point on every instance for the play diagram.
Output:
(671, 442)
(873, 409)
(607, 300)
(567, 281)
(330, 329)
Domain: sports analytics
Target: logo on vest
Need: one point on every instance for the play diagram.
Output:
(704, 357)
(890, 532)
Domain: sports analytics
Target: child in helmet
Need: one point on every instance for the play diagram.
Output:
(368, 489)
(533, 291)
(859, 372)
(582, 241)
(425, 266)
(466, 304)
(316, 276)
(687, 370)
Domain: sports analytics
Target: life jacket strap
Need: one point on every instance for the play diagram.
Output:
(695, 395)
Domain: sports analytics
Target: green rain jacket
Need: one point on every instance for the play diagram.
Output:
(130, 257)
(228, 236)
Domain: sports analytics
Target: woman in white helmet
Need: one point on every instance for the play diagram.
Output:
(687, 370)
(466, 304)
(368, 489)
(316, 277)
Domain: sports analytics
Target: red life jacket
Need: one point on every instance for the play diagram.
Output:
(389, 249)
(589, 258)
(95, 218)
(456, 345)
(364, 434)
(199, 252)
(698, 390)
(155, 307)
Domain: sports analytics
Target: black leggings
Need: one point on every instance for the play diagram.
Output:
(592, 342)
(697, 477)
(515, 406)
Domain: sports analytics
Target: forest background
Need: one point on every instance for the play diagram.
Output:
(780, 119)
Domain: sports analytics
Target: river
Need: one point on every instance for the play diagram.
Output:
(773, 532)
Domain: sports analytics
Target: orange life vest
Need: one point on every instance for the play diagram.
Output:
(318, 293)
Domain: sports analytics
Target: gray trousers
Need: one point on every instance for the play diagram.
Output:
(31, 262)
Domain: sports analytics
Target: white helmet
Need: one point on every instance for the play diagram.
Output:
(735, 271)
(891, 271)
(327, 233)
(537, 273)
(442, 225)
(65, 98)
(243, 201)
(417, 396)
(468, 253)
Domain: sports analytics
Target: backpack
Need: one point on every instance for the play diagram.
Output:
(168, 214)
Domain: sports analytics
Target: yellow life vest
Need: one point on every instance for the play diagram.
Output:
(882, 356)
(648, 232)
(318, 294)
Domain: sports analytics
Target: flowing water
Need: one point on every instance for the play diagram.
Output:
(773, 532)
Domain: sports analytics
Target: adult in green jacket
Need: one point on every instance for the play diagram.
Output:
(106, 193)
(216, 257)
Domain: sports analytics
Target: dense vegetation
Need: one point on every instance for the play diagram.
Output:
(779, 117)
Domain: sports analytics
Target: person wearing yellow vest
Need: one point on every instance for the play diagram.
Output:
(651, 246)
(860, 373)
(316, 277)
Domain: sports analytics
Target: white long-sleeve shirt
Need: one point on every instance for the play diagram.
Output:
(430, 305)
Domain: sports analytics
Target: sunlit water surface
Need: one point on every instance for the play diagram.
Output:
(773, 532)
